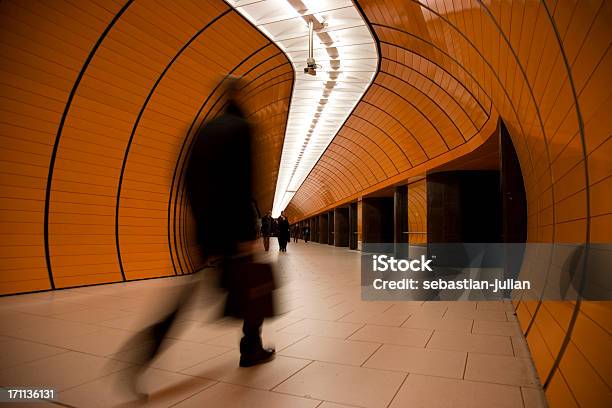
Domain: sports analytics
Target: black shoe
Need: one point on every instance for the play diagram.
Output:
(259, 357)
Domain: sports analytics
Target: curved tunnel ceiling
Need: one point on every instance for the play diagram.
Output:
(448, 72)
(346, 52)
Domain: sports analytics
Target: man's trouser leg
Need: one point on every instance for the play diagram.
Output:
(251, 341)
(266, 242)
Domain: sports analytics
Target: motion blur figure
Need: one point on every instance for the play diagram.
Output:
(283, 232)
(266, 229)
(219, 182)
(219, 186)
(296, 232)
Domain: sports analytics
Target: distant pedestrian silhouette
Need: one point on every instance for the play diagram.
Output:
(283, 232)
(266, 229)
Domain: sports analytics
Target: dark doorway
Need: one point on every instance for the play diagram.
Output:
(463, 206)
(341, 227)
(353, 226)
(514, 200)
(377, 220)
(323, 229)
(330, 227)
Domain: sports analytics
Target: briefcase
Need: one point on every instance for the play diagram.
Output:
(250, 287)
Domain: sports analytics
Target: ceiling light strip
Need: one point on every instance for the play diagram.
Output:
(345, 62)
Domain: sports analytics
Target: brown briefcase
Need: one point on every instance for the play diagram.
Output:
(250, 287)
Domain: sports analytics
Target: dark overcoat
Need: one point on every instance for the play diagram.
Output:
(219, 185)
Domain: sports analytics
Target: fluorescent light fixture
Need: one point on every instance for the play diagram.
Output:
(346, 57)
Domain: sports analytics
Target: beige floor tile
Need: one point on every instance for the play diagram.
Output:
(12, 322)
(520, 347)
(382, 319)
(164, 389)
(91, 315)
(278, 323)
(442, 304)
(429, 313)
(280, 340)
(331, 350)
(177, 355)
(60, 371)
(534, 398)
(500, 370)
(48, 307)
(40, 296)
(319, 313)
(320, 285)
(476, 343)
(133, 322)
(276, 340)
(435, 323)
(198, 332)
(327, 404)
(229, 340)
(97, 300)
(234, 396)
(393, 335)
(371, 307)
(342, 384)
(419, 361)
(323, 328)
(496, 328)
(409, 308)
(53, 332)
(498, 305)
(103, 342)
(15, 352)
(493, 315)
(225, 368)
(435, 392)
(460, 306)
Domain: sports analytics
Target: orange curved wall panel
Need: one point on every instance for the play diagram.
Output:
(417, 212)
(100, 101)
(447, 70)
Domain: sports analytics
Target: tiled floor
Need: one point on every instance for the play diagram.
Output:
(334, 350)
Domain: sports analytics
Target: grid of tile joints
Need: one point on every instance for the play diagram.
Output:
(334, 350)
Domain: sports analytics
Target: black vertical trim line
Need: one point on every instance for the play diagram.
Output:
(136, 123)
(570, 327)
(184, 234)
(58, 136)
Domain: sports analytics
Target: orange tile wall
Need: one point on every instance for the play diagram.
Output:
(543, 67)
(100, 100)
